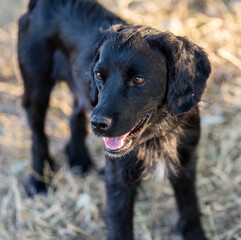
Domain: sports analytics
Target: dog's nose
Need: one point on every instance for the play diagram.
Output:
(100, 124)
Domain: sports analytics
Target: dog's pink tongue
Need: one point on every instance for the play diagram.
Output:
(114, 143)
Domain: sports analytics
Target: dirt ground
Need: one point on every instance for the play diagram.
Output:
(76, 209)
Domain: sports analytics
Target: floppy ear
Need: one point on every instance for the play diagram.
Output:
(188, 68)
(93, 93)
(93, 90)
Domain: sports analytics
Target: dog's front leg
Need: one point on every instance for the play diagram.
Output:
(185, 191)
(122, 179)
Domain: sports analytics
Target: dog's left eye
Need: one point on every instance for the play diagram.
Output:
(138, 80)
(98, 76)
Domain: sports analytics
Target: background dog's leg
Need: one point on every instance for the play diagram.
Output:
(36, 103)
(184, 187)
(79, 160)
(121, 184)
(35, 60)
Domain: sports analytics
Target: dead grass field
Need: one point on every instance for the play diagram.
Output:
(76, 209)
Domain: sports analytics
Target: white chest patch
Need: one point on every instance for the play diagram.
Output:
(160, 170)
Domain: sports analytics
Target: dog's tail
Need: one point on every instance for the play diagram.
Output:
(32, 4)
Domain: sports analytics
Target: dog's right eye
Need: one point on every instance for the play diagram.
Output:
(138, 80)
(98, 76)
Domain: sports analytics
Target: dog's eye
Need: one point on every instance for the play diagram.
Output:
(138, 80)
(98, 76)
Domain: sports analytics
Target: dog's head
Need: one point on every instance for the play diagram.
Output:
(136, 71)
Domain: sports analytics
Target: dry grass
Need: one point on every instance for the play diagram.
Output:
(76, 209)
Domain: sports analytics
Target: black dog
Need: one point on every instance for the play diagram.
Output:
(144, 86)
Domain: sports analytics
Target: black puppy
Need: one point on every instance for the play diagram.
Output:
(144, 86)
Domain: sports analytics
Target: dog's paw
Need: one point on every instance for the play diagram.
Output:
(77, 170)
(191, 229)
(102, 171)
(194, 235)
(79, 162)
(35, 187)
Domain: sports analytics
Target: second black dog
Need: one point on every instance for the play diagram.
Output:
(144, 86)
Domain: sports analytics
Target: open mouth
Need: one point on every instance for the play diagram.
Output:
(117, 144)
